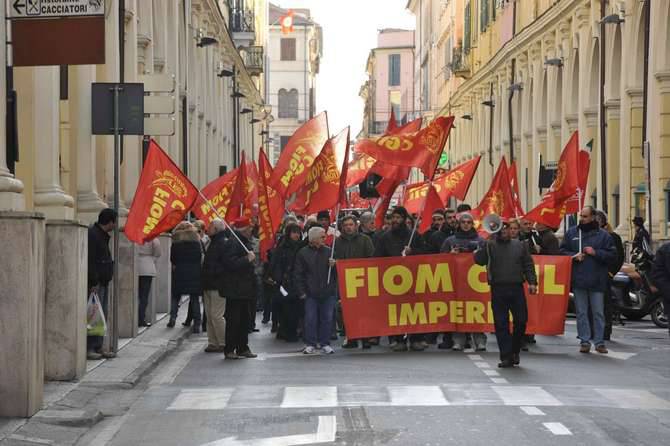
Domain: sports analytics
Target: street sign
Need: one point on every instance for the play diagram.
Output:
(158, 83)
(158, 104)
(131, 108)
(155, 126)
(39, 9)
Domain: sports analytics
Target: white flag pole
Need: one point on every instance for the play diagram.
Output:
(209, 203)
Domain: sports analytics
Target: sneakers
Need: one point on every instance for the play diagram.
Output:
(480, 348)
(445, 345)
(349, 344)
(327, 350)
(457, 348)
(585, 348)
(232, 355)
(516, 359)
(506, 364)
(602, 349)
(309, 350)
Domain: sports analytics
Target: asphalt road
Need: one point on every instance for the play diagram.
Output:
(377, 397)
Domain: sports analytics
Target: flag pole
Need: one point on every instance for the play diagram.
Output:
(209, 203)
(332, 251)
(579, 199)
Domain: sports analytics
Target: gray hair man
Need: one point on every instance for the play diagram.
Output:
(212, 273)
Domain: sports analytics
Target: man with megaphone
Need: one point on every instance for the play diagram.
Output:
(508, 265)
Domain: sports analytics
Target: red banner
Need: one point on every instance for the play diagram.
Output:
(163, 197)
(266, 234)
(275, 201)
(441, 293)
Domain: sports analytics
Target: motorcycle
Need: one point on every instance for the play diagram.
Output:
(634, 296)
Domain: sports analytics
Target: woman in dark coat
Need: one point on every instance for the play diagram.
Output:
(281, 275)
(186, 259)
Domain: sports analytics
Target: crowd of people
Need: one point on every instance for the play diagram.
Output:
(295, 286)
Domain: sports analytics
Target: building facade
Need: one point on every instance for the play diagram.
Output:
(525, 75)
(294, 56)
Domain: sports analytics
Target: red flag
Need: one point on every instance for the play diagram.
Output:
(251, 198)
(323, 188)
(567, 179)
(266, 231)
(357, 202)
(218, 194)
(548, 212)
(236, 206)
(380, 211)
(359, 168)
(297, 157)
(164, 195)
(514, 180)
(573, 204)
(432, 202)
(275, 201)
(392, 124)
(420, 149)
(498, 200)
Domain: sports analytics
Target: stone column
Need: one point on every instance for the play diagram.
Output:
(49, 195)
(127, 288)
(163, 281)
(22, 315)
(65, 302)
(89, 202)
(11, 189)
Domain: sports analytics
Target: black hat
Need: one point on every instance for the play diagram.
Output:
(400, 210)
(638, 221)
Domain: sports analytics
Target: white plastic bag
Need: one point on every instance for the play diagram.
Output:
(96, 325)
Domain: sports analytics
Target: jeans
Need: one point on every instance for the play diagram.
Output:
(94, 343)
(506, 299)
(144, 288)
(215, 307)
(318, 320)
(593, 300)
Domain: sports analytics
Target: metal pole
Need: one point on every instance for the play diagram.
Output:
(603, 149)
(114, 302)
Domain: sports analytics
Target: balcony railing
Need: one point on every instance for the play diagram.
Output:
(241, 20)
(253, 59)
(459, 63)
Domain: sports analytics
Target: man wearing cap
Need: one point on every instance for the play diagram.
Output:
(448, 229)
(465, 239)
(238, 288)
(436, 224)
(396, 243)
(508, 264)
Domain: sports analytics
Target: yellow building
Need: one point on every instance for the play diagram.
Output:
(541, 60)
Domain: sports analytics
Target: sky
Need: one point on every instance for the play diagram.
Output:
(349, 33)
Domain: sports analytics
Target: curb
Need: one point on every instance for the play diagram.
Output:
(158, 356)
(68, 417)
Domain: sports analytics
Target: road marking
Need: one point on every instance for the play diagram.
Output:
(325, 433)
(499, 381)
(526, 396)
(634, 399)
(619, 355)
(475, 357)
(483, 365)
(417, 396)
(557, 428)
(532, 410)
(490, 373)
(202, 399)
(321, 396)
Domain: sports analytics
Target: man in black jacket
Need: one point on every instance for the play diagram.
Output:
(212, 273)
(238, 288)
(509, 265)
(660, 275)
(100, 271)
(613, 267)
(448, 229)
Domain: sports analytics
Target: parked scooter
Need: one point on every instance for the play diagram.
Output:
(634, 295)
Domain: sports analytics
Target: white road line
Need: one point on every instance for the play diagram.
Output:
(483, 365)
(499, 380)
(490, 373)
(619, 355)
(526, 396)
(475, 357)
(417, 396)
(634, 399)
(202, 399)
(326, 430)
(557, 428)
(322, 396)
(325, 433)
(33, 440)
(532, 410)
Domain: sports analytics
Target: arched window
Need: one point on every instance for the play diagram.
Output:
(288, 103)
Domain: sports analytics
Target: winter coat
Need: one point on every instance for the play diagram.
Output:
(353, 246)
(466, 241)
(147, 254)
(549, 245)
(508, 262)
(660, 273)
(239, 277)
(100, 263)
(282, 263)
(617, 262)
(213, 267)
(437, 238)
(393, 242)
(311, 273)
(186, 259)
(591, 273)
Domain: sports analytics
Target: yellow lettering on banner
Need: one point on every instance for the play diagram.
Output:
(550, 285)
(373, 281)
(178, 205)
(474, 280)
(161, 193)
(436, 310)
(456, 310)
(474, 312)
(156, 210)
(405, 280)
(393, 315)
(411, 314)
(353, 278)
(441, 278)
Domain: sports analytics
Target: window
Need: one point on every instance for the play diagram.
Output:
(288, 103)
(394, 103)
(287, 49)
(283, 140)
(616, 200)
(640, 198)
(483, 15)
(448, 50)
(425, 87)
(394, 70)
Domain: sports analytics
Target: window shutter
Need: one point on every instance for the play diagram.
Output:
(288, 49)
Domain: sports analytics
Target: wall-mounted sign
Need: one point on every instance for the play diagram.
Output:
(39, 9)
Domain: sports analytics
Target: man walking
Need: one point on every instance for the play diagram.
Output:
(592, 251)
(213, 270)
(238, 288)
(311, 279)
(509, 265)
(352, 244)
(100, 271)
(660, 275)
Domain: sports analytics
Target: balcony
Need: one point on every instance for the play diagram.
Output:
(459, 63)
(242, 26)
(253, 59)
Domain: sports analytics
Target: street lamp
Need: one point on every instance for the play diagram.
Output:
(467, 117)
(554, 62)
(245, 110)
(203, 40)
(612, 19)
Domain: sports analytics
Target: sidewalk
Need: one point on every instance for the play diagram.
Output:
(70, 408)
